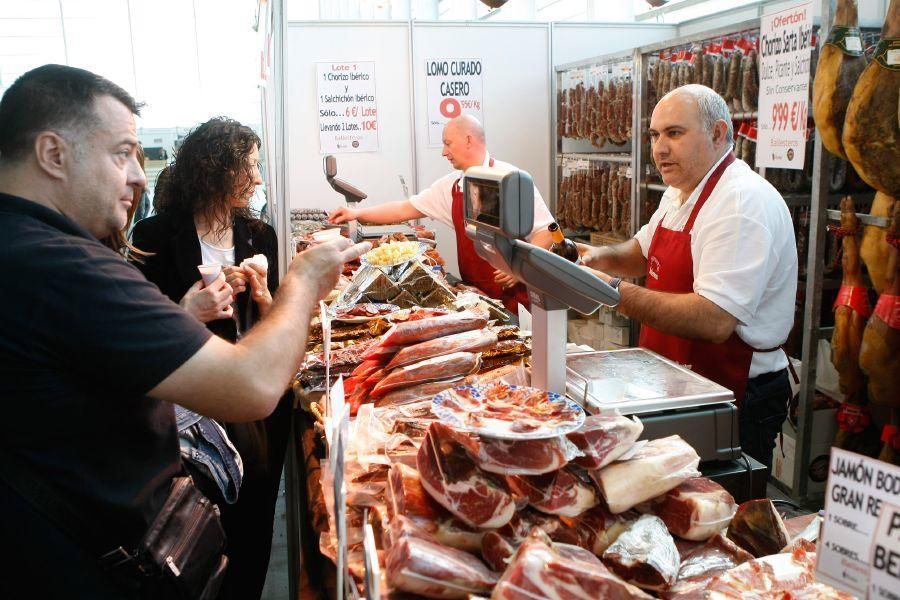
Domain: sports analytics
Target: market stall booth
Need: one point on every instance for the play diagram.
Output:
(640, 493)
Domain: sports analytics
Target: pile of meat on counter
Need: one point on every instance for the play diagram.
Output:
(595, 195)
(595, 104)
(419, 353)
(591, 513)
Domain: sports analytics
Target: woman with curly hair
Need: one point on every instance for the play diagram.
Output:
(205, 218)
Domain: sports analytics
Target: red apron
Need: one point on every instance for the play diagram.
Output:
(473, 269)
(670, 268)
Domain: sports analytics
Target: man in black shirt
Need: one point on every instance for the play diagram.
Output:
(91, 354)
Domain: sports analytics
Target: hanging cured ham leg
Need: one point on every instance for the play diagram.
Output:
(879, 355)
(840, 64)
(871, 135)
(851, 309)
(874, 250)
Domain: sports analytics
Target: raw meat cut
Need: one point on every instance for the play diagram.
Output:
(871, 134)
(457, 364)
(874, 249)
(499, 546)
(645, 555)
(467, 341)
(604, 437)
(598, 527)
(879, 355)
(653, 470)
(851, 309)
(407, 497)
(696, 510)
(423, 566)
(541, 569)
(567, 492)
(521, 457)
(717, 555)
(415, 393)
(837, 72)
(503, 409)
(758, 528)
(777, 576)
(450, 476)
(414, 332)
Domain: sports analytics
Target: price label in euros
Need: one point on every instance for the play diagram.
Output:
(789, 114)
(351, 111)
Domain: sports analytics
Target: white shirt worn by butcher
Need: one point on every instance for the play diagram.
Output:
(744, 256)
(437, 201)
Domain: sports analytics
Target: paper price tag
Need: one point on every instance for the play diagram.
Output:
(373, 569)
(858, 490)
(893, 57)
(784, 66)
(884, 577)
(853, 43)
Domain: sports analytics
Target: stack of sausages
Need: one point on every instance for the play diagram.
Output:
(730, 68)
(597, 197)
(598, 112)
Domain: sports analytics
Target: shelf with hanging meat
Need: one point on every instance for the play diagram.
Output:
(852, 308)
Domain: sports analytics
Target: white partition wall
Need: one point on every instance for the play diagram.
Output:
(516, 92)
(517, 73)
(376, 173)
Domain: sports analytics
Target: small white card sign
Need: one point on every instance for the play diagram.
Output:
(884, 578)
(785, 39)
(348, 110)
(857, 492)
(453, 88)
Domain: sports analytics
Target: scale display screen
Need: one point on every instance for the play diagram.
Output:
(483, 201)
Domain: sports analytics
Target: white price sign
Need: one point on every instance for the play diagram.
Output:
(884, 578)
(348, 112)
(784, 56)
(859, 488)
(453, 88)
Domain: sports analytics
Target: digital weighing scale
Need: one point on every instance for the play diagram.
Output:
(669, 399)
(353, 196)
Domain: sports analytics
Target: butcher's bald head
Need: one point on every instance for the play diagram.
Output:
(464, 142)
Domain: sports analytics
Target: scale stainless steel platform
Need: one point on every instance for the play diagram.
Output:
(667, 397)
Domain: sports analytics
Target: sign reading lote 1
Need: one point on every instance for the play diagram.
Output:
(453, 88)
(785, 44)
(348, 113)
(858, 493)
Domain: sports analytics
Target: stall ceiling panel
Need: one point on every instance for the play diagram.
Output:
(516, 91)
(574, 42)
(376, 173)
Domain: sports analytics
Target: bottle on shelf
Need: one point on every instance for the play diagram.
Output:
(562, 246)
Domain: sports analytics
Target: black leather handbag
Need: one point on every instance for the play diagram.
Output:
(184, 544)
(181, 555)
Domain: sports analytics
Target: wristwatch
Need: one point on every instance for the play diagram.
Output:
(614, 282)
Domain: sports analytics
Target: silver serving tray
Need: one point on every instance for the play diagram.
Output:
(636, 381)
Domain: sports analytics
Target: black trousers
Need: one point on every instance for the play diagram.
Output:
(762, 413)
(248, 523)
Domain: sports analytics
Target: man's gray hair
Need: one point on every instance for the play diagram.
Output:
(712, 107)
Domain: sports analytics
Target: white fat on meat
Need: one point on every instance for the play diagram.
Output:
(656, 468)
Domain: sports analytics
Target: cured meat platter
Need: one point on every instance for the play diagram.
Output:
(508, 411)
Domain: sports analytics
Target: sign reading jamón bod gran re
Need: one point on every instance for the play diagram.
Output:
(850, 551)
(453, 88)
